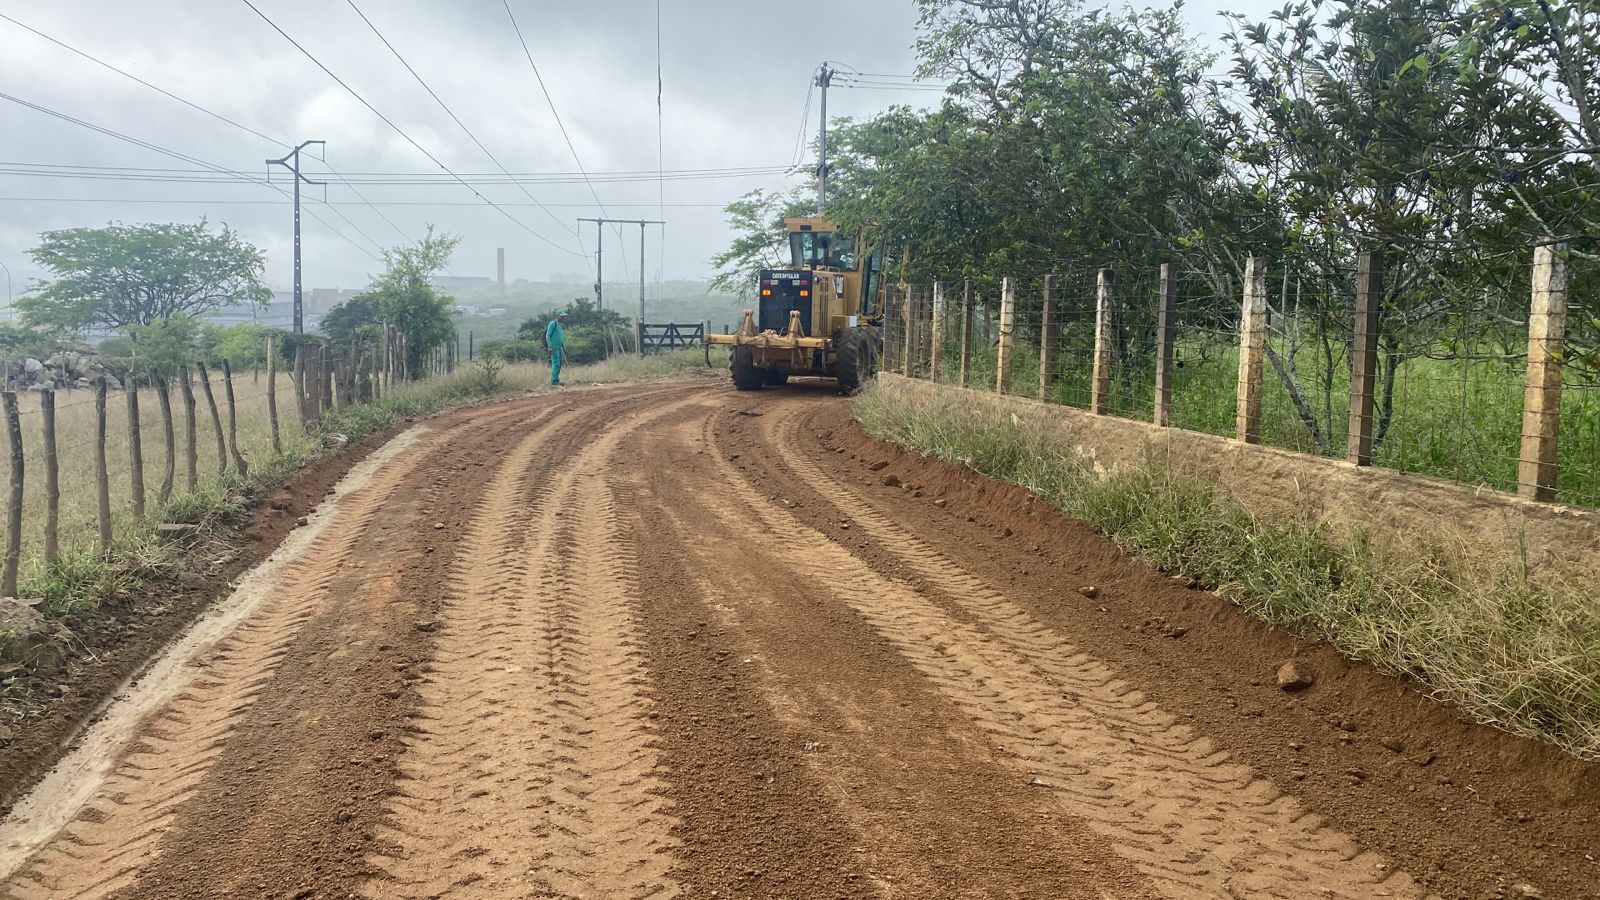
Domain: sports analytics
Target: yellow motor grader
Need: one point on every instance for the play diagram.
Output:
(819, 315)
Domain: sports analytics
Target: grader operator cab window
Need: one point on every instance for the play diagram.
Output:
(822, 248)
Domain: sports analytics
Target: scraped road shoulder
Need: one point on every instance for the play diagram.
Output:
(661, 640)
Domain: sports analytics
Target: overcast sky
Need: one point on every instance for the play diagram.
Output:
(735, 77)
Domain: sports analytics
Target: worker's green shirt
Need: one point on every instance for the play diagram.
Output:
(555, 335)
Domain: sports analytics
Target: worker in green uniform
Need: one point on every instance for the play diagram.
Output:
(555, 337)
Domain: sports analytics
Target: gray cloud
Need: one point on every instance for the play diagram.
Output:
(735, 79)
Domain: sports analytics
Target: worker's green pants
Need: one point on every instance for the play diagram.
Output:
(556, 354)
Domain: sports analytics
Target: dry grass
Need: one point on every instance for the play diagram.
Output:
(1509, 647)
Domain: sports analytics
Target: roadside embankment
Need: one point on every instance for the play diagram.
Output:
(1479, 596)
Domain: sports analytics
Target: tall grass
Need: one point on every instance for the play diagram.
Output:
(1508, 648)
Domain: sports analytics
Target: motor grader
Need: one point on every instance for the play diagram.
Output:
(819, 315)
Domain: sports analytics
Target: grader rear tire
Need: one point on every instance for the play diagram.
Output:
(747, 376)
(858, 359)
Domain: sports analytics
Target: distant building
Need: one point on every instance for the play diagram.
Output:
(497, 311)
(461, 282)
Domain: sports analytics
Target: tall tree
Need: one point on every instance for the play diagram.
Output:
(759, 241)
(407, 300)
(131, 275)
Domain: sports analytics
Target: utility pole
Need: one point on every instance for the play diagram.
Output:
(600, 227)
(824, 80)
(291, 161)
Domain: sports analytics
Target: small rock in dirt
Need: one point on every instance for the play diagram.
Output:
(438, 525)
(1292, 676)
(845, 525)
(302, 521)
(1347, 725)
(427, 626)
(1296, 745)
(1177, 631)
(813, 747)
(1038, 782)
(891, 481)
(733, 457)
(334, 440)
(1299, 774)
(941, 503)
(1393, 743)
(1526, 891)
(1089, 591)
(753, 413)
(878, 466)
(278, 503)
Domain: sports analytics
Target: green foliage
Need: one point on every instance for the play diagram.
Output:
(408, 301)
(164, 344)
(759, 241)
(585, 325)
(519, 350)
(357, 317)
(125, 275)
(243, 345)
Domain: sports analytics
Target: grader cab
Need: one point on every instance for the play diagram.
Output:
(819, 315)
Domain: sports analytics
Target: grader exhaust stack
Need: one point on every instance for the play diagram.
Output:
(819, 315)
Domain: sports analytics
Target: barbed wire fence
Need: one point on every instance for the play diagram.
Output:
(1395, 359)
(87, 464)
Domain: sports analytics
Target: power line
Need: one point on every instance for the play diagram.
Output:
(215, 201)
(457, 119)
(100, 62)
(400, 131)
(434, 177)
(559, 124)
(197, 107)
(156, 148)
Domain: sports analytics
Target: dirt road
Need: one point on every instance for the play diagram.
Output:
(665, 640)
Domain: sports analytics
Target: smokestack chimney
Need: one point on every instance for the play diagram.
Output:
(500, 268)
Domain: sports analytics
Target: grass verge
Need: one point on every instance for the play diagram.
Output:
(1508, 648)
(82, 576)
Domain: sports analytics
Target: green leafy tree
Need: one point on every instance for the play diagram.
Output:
(164, 344)
(586, 328)
(759, 242)
(407, 300)
(135, 275)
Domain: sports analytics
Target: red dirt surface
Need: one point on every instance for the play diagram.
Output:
(669, 640)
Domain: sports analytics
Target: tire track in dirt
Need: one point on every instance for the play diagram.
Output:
(1169, 800)
(117, 833)
(880, 747)
(537, 686)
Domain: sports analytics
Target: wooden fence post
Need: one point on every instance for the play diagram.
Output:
(1166, 339)
(191, 456)
(1008, 325)
(298, 376)
(1541, 405)
(8, 583)
(233, 422)
(966, 330)
(135, 448)
(1364, 356)
(936, 352)
(324, 381)
(471, 347)
(171, 463)
(1100, 386)
(1252, 350)
(272, 395)
(216, 418)
(52, 477)
(1047, 339)
(102, 477)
